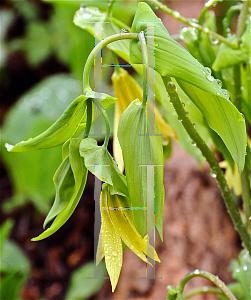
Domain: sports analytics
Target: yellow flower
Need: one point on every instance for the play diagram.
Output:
(233, 178)
(117, 225)
(126, 90)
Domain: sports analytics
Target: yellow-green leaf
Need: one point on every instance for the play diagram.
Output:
(141, 146)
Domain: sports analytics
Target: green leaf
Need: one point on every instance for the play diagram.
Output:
(81, 287)
(59, 132)
(72, 122)
(34, 112)
(223, 117)
(64, 186)
(228, 57)
(70, 181)
(85, 18)
(138, 149)
(242, 272)
(13, 259)
(246, 91)
(171, 59)
(98, 155)
(5, 231)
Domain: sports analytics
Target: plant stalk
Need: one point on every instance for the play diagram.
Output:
(202, 290)
(89, 117)
(206, 7)
(214, 279)
(241, 25)
(97, 48)
(208, 154)
(228, 17)
(145, 61)
(176, 15)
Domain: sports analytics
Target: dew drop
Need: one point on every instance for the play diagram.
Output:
(212, 173)
(210, 78)
(156, 7)
(108, 256)
(212, 278)
(225, 93)
(193, 143)
(83, 6)
(207, 70)
(176, 14)
(219, 82)
(194, 125)
(8, 146)
(193, 20)
(124, 30)
(245, 268)
(237, 270)
(197, 271)
(114, 253)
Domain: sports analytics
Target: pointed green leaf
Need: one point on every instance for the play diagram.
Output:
(98, 155)
(60, 131)
(64, 186)
(223, 117)
(171, 59)
(140, 149)
(71, 179)
(72, 122)
(67, 179)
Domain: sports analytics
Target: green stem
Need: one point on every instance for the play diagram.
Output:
(228, 17)
(108, 130)
(208, 154)
(89, 117)
(176, 15)
(109, 8)
(246, 195)
(144, 58)
(241, 25)
(202, 290)
(237, 87)
(214, 279)
(97, 48)
(206, 7)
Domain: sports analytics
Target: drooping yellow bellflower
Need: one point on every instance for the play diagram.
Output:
(117, 225)
(233, 178)
(126, 90)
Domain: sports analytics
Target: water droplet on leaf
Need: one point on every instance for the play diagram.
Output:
(212, 173)
(124, 30)
(207, 70)
(210, 78)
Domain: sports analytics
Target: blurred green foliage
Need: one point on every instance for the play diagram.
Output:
(14, 267)
(35, 111)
